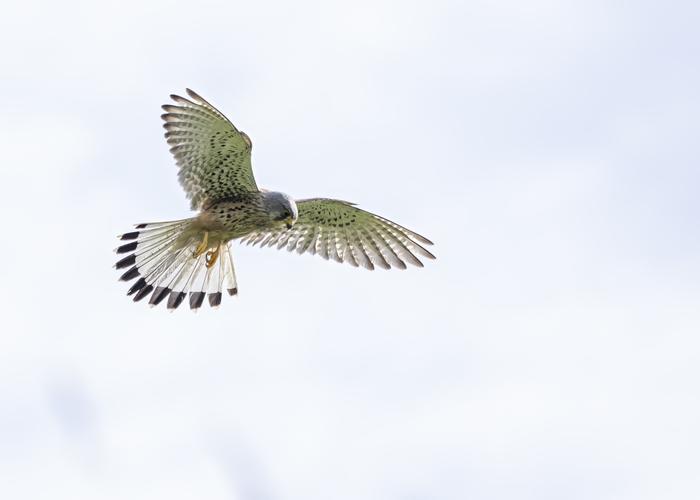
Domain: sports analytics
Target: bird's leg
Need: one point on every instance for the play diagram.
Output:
(202, 247)
(212, 256)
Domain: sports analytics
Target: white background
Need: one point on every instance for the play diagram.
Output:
(549, 148)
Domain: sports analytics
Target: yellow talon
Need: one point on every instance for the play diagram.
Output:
(202, 247)
(212, 256)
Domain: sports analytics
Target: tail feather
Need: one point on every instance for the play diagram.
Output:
(161, 256)
(230, 277)
(181, 279)
(216, 282)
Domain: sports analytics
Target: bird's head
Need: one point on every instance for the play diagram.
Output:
(281, 208)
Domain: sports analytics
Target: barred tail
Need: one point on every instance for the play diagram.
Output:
(164, 258)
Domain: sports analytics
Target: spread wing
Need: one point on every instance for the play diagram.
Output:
(338, 230)
(213, 156)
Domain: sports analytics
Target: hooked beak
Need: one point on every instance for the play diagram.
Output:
(289, 222)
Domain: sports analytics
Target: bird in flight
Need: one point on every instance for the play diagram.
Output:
(168, 260)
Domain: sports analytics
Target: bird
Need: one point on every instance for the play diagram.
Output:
(172, 259)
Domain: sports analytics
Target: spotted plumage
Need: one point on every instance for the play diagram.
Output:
(170, 260)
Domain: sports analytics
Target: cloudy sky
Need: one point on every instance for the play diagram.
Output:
(550, 150)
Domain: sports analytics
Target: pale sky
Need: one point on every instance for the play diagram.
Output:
(548, 148)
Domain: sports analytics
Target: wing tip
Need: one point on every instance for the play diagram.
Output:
(194, 95)
(181, 100)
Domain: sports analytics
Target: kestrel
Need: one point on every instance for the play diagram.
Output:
(172, 259)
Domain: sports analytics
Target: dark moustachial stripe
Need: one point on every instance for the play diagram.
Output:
(137, 286)
(215, 299)
(129, 247)
(196, 299)
(130, 274)
(142, 293)
(127, 261)
(158, 295)
(176, 299)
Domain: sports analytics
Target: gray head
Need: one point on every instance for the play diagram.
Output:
(281, 208)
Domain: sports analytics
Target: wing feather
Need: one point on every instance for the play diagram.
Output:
(338, 230)
(401, 249)
(388, 251)
(372, 249)
(213, 156)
